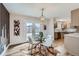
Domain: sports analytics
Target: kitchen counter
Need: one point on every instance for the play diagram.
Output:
(71, 43)
(59, 33)
(65, 30)
(72, 35)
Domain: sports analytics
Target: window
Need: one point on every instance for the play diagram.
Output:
(37, 28)
(29, 29)
(32, 29)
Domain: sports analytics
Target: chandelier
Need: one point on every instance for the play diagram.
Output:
(42, 16)
(43, 21)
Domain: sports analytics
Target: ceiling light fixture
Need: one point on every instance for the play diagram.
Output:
(42, 16)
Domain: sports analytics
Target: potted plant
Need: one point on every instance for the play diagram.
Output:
(41, 37)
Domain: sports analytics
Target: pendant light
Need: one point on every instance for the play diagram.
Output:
(42, 16)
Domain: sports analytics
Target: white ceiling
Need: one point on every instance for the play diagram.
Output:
(60, 10)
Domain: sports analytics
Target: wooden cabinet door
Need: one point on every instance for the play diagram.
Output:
(75, 17)
(2, 16)
(0, 21)
(5, 23)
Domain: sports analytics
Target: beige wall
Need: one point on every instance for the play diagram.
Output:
(50, 27)
(23, 20)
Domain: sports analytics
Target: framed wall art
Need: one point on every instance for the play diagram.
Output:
(16, 27)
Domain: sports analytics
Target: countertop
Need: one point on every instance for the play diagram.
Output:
(72, 35)
(65, 30)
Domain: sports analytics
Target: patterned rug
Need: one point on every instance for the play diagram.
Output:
(43, 51)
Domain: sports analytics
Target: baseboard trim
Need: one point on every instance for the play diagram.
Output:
(18, 43)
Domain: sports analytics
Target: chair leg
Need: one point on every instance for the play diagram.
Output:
(46, 52)
(29, 47)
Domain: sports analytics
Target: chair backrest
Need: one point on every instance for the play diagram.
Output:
(30, 40)
(48, 41)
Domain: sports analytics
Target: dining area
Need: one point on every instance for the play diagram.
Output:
(43, 46)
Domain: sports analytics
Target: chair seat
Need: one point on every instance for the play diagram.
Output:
(48, 41)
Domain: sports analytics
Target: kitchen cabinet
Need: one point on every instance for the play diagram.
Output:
(75, 17)
(71, 43)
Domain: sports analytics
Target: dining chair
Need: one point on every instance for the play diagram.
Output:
(48, 45)
(48, 41)
(32, 44)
